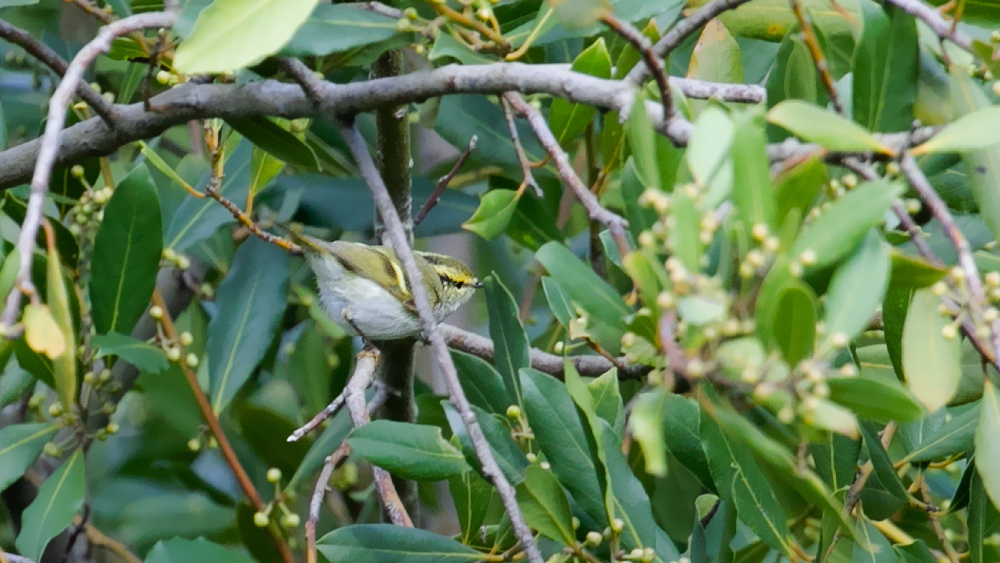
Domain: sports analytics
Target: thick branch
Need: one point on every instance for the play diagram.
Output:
(394, 228)
(930, 16)
(201, 101)
(51, 59)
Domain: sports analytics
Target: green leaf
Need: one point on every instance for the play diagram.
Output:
(505, 450)
(126, 254)
(544, 505)
(57, 298)
(932, 363)
(982, 519)
(608, 400)
(532, 224)
(642, 142)
(59, 499)
(886, 68)
(274, 139)
(874, 399)
(794, 77)
(825, 128)
(231, 34)
(909, 272)
(987, 445)
(20, 444)
(856, 291)
(509, 338)
(446, 46)
(494, 213)
(583, 285)
(953, 437)
(146, 357)
(462, 116)
(839, 229)
(977, 130)
(251, 302)
(639, 218)
(385, 543)
(872, 546)
(561, 437)
(472, 495)
(567, 120)
(981, 166)
(410, 451)
(8, 272)
(796, 188)
(483, 385)
(716, 55)
(684, 240)
(794, 326)
(631, 503)
(559, 303)
(263, 168)
(336, 28)
(681, 422)
(740, 480)
(881, 463)
(181, 549)
(753, 195)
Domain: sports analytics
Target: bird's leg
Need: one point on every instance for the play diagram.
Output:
(368, 346)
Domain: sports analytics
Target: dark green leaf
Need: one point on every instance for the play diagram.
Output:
(385, 543)
(146, 357)
(509, 338)
(334, 28)
(567, 120)
(886, 66)
(872, 546)
(126, 254)
(544, 505)
(874, 399)
(559, 303)
(881, 462)
(753, 195)
(472, 495)
(180, 549)
(608, 400)
(983, 516)
(251, 302)
(271, 137)
(561, 437)
(59, 499)
(508, 455)
(483, 385)
(795, 322)
(20, 444)
(409, 451)
(909, 272)
(987, 445)
(584, 287)
(953, 437)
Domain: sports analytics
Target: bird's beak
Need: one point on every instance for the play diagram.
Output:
(478, 284)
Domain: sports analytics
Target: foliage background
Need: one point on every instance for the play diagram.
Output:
(800, 313)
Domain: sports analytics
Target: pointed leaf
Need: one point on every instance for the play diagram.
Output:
(931, 362)
(886, 68)
(126, 254)
(483, 385)
(753, 194)
(493, 214)
(977, 130)
(544, 505)
(508, 336)
(856, 291)
(20, 444)
(59, 499)
(251, 302)
(953, 437)
(146, 357)
(987, 445)
(567, 120)
(825, 128)
(410, 451)
(385, 543)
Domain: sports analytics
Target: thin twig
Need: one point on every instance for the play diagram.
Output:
(394, 229)
(668, 341)
(213, 424)
(302, 76)
(442, 184)
(528, 179)
(930, 16)
(51, 59)
(615, 223)
(315, 421)
(589, 366)
(483, 29)
(680, 32)
(808, 35)
(50, 145)
(654, 65)
(333, 461)
(939, 209)
(92, 9)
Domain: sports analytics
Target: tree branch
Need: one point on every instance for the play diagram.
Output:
(590, 366)
(192, 101)
(51, 59)
(394, 228)
(930, 16)
(49, 146)
(442, 184)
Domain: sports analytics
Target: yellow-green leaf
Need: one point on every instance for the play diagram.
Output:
(825, 128)
(42, 333)
(58, 302)
(932, 363)
(987, 445)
